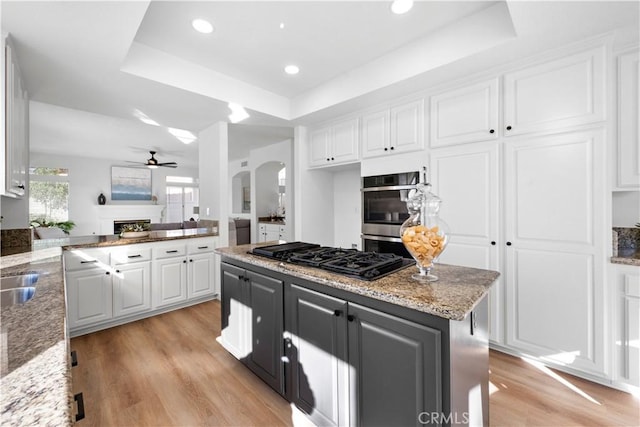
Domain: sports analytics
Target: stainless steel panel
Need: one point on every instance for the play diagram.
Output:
(381, 229)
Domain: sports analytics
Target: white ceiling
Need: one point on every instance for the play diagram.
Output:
(92, 67)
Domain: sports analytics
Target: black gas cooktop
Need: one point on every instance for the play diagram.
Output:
(347, 262)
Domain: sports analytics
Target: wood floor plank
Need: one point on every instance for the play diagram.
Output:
(169, 370)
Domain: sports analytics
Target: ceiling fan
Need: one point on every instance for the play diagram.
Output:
(153, 163)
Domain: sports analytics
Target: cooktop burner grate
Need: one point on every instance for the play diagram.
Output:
(348, 262)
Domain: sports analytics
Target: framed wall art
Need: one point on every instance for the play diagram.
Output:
(130, 183)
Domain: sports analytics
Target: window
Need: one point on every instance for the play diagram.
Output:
(48, 194)
(182, 198)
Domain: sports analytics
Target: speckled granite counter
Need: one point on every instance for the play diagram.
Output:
(626, 246)
(627, 258)
(453, 296)
(35, 378)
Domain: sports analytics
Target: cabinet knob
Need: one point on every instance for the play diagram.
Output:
(107, 273)
(117, 271)
(491, 130)
(21, 186)
(337, 313)
(493, 242)
(393, 148)
(508, 127)
(351, 317)
(508, 243)
(332, 158)
(191, 260)
(184, 261)
(385, 148)
(328, 159)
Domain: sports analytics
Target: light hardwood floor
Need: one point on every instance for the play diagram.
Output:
(168, 370)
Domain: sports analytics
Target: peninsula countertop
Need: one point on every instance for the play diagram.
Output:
(35, 380)
(453, 296)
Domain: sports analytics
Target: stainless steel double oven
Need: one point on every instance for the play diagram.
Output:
(384, 209)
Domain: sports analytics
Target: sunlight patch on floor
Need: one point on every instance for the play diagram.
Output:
(561, 380)
(493, 388)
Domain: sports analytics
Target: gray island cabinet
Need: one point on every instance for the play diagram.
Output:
(388, 352)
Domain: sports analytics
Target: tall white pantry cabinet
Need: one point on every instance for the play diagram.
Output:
(523, 179)
(523, 158)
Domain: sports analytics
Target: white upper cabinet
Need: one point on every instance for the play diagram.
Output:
(16, 126)
(395, 130)
(407, 123)
(335, 144)
(376, 134)
(555, 94)
(468, 114)
(628, 167)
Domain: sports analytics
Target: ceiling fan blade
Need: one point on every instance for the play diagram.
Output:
(169, 165)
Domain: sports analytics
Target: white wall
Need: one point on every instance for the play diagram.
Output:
(213, 151)
(89, 177)
(347, 208)
(626, 208)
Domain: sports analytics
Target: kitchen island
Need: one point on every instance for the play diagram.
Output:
(35, 381)
(346, 351)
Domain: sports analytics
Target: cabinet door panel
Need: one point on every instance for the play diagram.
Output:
(267, 348)
(465, 115)
(345, 141)
(201, 275)
(407, 123)
(170, 281)
(132, 288)
(375, 134)
(318, 343)
(90, 297)
(550, 184)
(562, 93)
(318, 146)
(235, 313)
(471, 209)
(628, 175)
(396, 368)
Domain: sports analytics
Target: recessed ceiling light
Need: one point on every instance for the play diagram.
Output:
(202, 26)
(282, 25)
(291, 69)
(401, 6)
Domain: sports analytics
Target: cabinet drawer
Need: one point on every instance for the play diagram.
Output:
(132, 254)
(81, 259)
(168, 251)
(201, 245)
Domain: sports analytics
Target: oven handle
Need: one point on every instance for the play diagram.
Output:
(391, 188)
(381, 238)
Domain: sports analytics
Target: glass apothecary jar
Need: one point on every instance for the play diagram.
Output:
(424, 234)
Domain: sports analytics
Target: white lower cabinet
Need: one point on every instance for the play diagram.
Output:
(131, 279)
(627, 326)
(548, 195)
(169, 281)
(89, 293)
(270, 232)
(111, 286)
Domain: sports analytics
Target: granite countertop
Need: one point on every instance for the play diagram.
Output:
(93, 241)
(35, 369)
(35, 360)
(628, 258)
(453, 296)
